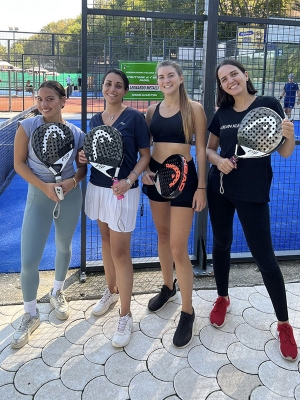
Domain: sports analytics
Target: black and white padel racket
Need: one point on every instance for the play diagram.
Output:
(103, 147)
(259, 134)
(171, 176)
(53, 144)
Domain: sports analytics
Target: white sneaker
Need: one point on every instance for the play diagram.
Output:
(25, 329)
(60, 305)
(105, 302)
(123, 333)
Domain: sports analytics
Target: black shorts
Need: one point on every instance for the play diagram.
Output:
(185, 199)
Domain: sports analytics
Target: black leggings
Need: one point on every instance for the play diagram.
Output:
(255, 220)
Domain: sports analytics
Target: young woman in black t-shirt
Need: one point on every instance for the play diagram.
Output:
(245, 189)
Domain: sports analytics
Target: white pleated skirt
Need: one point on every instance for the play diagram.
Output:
(119, 215)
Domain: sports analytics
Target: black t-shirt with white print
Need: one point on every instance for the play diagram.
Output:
(252, 179)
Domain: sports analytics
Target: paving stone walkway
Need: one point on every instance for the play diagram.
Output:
(75, 360)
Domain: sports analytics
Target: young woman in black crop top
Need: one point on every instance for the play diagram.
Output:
(173, 123)
(246, 190)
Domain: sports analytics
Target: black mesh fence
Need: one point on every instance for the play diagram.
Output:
(7, 135)
(264, 37)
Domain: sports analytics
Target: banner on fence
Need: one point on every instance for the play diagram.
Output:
(250, 38)
(142, 80)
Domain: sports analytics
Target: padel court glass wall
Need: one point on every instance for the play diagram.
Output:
(198, 35)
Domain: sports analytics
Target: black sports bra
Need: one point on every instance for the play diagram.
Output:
(167, 130)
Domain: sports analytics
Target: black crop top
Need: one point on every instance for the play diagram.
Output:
(167, 130)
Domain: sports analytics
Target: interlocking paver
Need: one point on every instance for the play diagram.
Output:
(261, 303)
(279, 380)
(164, 366)
(120, 368)
(145, 386)
(33, 375)
(237, 384)
(60, 390)
(191, 386)
(74, 359)
(59, 351)
(205, 362)
(216, 340)
(252, 337)
(6, 377)
(78, 371)
(245, 359)
(258, 319)
(102, 388)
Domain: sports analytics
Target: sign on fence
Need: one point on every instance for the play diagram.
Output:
(142, 80)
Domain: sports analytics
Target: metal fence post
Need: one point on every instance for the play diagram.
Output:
(210, 46)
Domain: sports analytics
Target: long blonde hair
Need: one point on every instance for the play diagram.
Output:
(186, 110)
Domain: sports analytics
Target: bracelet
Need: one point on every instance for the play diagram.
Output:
(133, 172)
(75, 183)
(200, 188)
(127, 180)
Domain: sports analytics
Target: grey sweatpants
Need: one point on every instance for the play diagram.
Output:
(37, 221)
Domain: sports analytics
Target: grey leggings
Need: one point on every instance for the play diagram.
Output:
(36, 227)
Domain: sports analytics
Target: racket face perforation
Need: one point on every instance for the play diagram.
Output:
(260, 130)
(52, 141)
(104, 145)
(171, 176)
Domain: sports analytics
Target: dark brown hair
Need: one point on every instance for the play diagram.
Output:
(121, 74)
(223, 98)
(59, 89)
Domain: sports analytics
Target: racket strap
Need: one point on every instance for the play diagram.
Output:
(56, 210)
(221, 183)
(120, 223)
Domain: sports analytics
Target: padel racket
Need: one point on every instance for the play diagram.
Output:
(171, 176)
(259, 134)
(53, 144)
(103, 147)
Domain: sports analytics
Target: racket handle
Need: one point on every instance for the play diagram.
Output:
(115, 180)
(234, 159)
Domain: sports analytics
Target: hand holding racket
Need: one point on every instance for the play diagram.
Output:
(259, 134)
(53, 144)
(171, 176)
(104, 149)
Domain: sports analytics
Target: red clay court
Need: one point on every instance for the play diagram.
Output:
(73, 104)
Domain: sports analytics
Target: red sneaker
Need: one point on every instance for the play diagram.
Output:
(217, 316)
(287, 347)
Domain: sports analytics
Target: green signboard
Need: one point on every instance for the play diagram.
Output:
(142, 80)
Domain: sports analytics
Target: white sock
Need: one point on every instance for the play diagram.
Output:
(30, 307)
(57, 285)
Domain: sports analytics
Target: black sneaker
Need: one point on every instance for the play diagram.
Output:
(161, 299)
(185, 329)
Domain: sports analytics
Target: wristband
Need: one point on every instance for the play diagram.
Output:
(200, 188)
(133, 172)
(75, 183)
